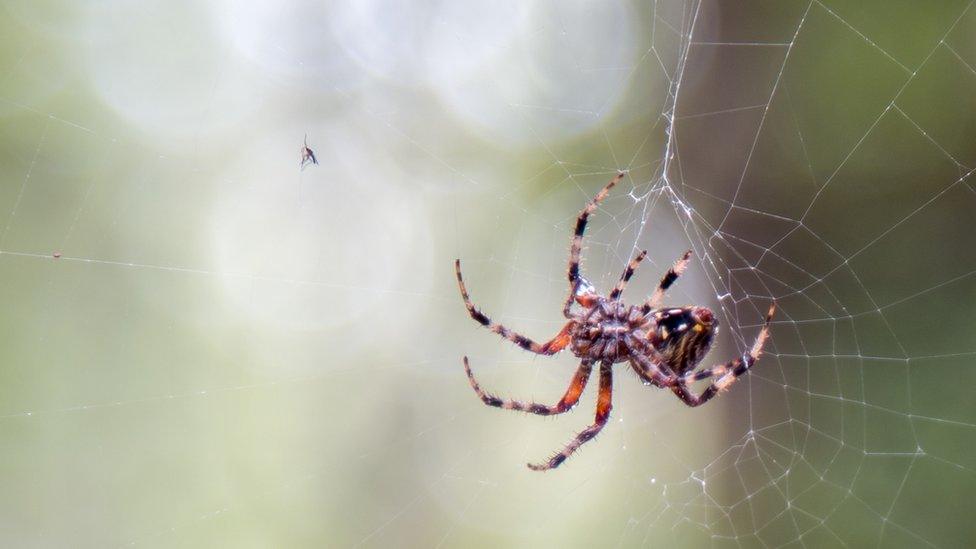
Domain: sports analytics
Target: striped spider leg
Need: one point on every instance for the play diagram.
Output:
(662, 345)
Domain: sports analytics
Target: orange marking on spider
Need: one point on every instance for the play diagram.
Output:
(657, 343)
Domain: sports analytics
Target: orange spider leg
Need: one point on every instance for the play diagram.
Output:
(604, 403)
(566, 403)
(551, 347)
(577, 244)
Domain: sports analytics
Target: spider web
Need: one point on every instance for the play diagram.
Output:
(204, 345)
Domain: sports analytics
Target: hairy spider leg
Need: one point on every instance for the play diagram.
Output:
(577, 245)
(655, 372)
(628, 272)
(604, 403)
(726, 374)
(550, 347)
(566, 403)
(669, 277)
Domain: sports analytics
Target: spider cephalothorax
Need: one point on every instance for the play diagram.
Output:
(663, 346)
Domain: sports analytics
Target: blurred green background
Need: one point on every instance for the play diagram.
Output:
(204, 346)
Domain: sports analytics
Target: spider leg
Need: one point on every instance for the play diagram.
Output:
(569, 399)
(551, 347)
(669, 277)
(604, 403)
(726, 374)
(628, 272)
(655, 372)
(577, 245)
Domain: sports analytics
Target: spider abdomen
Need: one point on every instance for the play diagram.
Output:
(683, 336)
(663, 346)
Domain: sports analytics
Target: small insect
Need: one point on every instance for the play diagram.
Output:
(662, 345)
(308, 156)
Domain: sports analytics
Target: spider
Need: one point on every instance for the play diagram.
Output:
(662, 345)
(308, 156)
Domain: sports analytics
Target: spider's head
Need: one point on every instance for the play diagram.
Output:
(683, 335)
